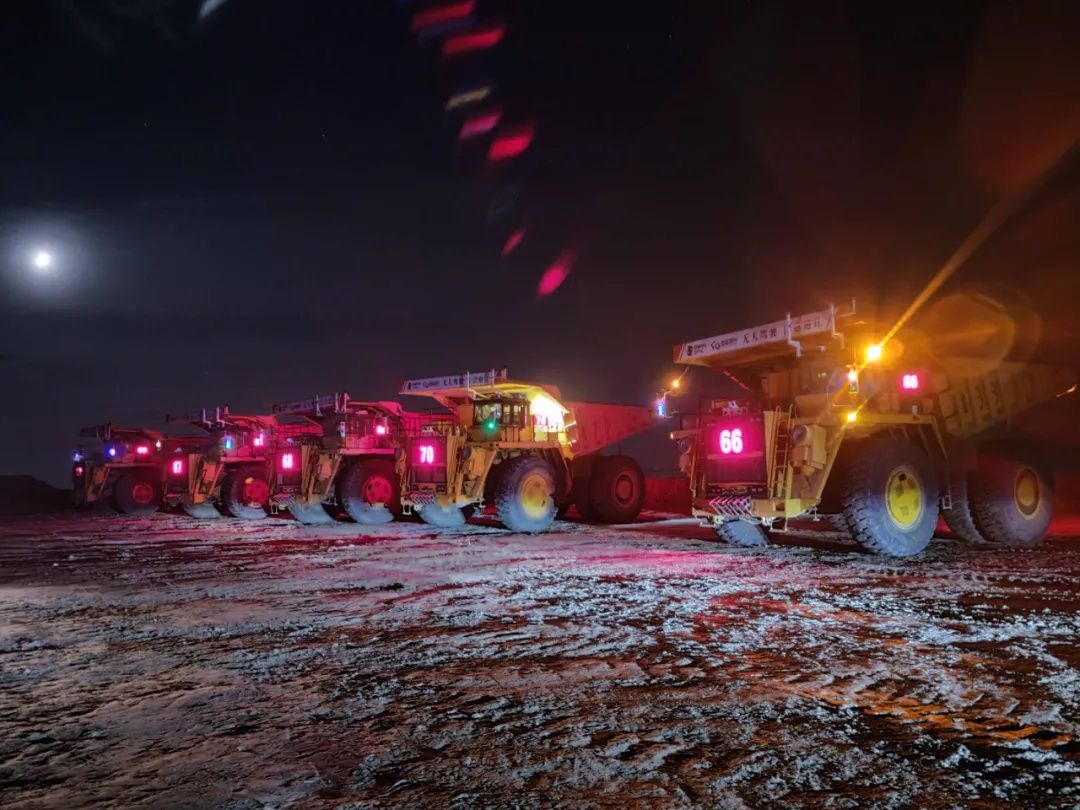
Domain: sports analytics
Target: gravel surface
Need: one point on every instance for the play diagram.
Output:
(171, 662)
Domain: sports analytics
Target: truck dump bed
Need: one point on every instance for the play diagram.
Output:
(971, 404)
(596, 425)
(590, 426)
(968, 398)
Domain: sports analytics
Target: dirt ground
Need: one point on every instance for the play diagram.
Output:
(172, 662)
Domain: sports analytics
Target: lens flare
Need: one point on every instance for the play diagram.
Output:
(512, 241)
(555, 275)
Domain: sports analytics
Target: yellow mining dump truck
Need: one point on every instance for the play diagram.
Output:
(347, 465)
(128, 467)
(233, 466)
(885, 437)
(519, 447)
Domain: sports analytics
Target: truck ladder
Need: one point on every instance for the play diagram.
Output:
(781, 447)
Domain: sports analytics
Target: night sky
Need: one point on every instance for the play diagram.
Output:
(269, 201)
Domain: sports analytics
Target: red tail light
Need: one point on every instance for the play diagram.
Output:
(177, 466)
(259, 440)
(142, 450)
(380, 430)
(288, 460)
(79, 471)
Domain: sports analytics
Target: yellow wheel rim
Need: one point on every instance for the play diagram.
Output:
(904, 497)
(535, 494)
(1026, 492)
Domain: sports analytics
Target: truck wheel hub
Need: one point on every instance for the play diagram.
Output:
(904, 497)
(624, 489)
(142, 493)
(256, 492)
(377, 489)
(534, 494)
(1026, 492)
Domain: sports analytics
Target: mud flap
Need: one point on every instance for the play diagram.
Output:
(203, 511)
(311, 514)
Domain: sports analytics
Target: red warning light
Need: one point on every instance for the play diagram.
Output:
(79, 471)
(288, 461)
(142, 450)
(910, 382)
(177, 466)
(380, 430)
(259, 440)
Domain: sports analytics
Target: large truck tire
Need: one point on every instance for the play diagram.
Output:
(1012, 498)
(525, 498)
(310, 514)
(442, 517)
(890, 497)
(959, 517)
(137, 492)
(370, 491)
(202, 511)
(741, 533)
(581, 498)
(616, 489)
(245, 494)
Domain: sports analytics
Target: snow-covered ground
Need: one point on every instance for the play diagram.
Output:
(174, 662)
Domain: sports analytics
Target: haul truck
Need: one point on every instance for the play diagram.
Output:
(129, 469)
(349, 464)
(233, 467)
(882, 437)
(519, 447)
